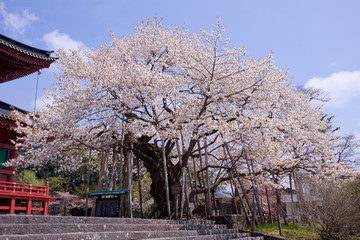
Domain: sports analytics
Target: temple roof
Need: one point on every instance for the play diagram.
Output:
(18, 60)
(5, 110)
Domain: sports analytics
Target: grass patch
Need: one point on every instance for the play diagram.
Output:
(290, 231)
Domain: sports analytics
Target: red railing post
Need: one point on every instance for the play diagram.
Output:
(47, 190)
(13, 191)
(12, 205)
(45, 206)
(29, 206)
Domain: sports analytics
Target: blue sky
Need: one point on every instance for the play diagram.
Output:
(317, 41)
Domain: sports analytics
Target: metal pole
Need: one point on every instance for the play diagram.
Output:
(36, 90)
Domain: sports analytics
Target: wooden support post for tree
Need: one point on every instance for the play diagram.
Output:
(187, 195)
(196, 200)
(88, 184)
(166, 178)
(268, 203)
(103, 171)
(214, 203)
(279, 203)
(139, 184)
(128, 154)
(234, 197)
(278, 210)
(130, 174)
(183, 179)
(278, 218)
(300, 196)
(292, 200)
(121, 163)
(256, 193)
(209, 208)
(235, 172)
(201, 177)
(112, 185)
(253, 216)
(237, 192)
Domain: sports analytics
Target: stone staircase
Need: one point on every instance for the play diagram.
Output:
(36, 227)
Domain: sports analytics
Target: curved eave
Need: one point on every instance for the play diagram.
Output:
(18, 60)
(26, 50)
(7, 117)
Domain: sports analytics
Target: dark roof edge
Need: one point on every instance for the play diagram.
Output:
(10, 107)
(36, 51)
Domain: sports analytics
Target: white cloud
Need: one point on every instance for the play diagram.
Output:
(342, 87)
(17, 23)
(41, 102)
(56, 40)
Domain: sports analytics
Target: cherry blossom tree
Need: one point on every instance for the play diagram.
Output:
(168, 97)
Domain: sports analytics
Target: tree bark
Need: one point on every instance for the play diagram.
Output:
(166, 178)
(103, 171)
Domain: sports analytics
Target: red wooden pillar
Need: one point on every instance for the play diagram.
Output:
(46, 201)
(45, 206)
(12, 205)
(29, 206)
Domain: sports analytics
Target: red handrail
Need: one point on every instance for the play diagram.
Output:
(23, 189)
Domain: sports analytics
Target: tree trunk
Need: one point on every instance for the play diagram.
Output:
(166, 178)
(151, 156)
(103, 171)
(121, 172)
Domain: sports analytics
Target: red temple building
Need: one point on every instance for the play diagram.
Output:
(18, 60)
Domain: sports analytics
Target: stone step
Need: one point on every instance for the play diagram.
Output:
(25, 219)
(194, 221)
(67, 228)
(73, 227)
(209, 237)
(168, 235)
(202, 227)
(38, 227)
